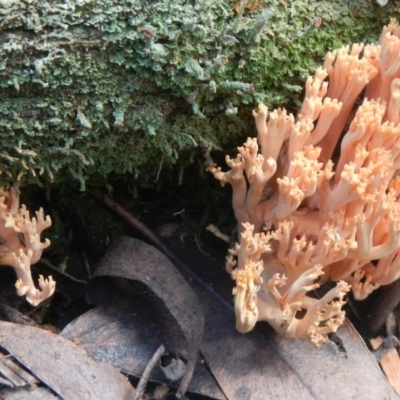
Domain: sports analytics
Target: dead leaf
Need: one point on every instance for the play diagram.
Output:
(133, 259)
(391, 366)
(25, 393)
(12, 374)
(260, 363)
(63, 366)
(293, 368)
(126, 332)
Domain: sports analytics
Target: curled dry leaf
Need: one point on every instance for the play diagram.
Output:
(127, 331)
(63, 366)
(133, 259)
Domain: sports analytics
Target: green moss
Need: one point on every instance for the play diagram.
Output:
(94, 89)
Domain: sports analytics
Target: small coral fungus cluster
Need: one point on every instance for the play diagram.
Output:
(307, 214)
(20, 245)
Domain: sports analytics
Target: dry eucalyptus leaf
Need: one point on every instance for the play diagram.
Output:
(126, 332)
(63, 366)
(13, 375)
(133, 259)
(25, 393)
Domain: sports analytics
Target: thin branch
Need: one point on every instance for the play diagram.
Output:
(147, 371)
(134, 222)
(48, 264)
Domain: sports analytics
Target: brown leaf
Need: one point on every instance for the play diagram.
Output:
(126, 333)
(133, 259)
(27, 393)
(13, 375)
(63, 366)
(391, 366)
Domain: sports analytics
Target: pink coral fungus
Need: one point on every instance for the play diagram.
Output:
(20, 246)
(308, 212)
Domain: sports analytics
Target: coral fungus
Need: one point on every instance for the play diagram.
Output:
(316, 199)
(21, 246)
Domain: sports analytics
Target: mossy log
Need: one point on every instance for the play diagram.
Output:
(94, 89)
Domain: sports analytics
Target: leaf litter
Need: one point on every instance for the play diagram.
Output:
(63, 366)
(245, 366)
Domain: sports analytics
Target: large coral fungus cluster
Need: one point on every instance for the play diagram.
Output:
(21, 246)
(316, 198)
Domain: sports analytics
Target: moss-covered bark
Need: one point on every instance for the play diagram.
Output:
(91, 89)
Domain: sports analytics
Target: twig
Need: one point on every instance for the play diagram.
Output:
(147, 371)
(134, 222)
(48, 264)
